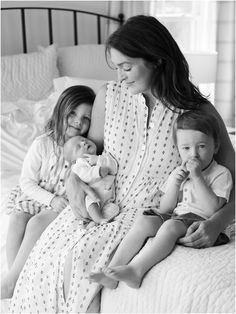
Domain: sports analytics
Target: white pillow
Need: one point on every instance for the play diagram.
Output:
(29, 76)
(61, 83)
(86, 61)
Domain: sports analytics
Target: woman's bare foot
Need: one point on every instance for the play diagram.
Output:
(7, 289)
(103, 280)
(125, 273)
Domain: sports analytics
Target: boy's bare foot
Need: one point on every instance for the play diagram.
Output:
(102, 279)
(125, 273)
(7, 289)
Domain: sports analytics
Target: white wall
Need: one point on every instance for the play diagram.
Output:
(11, 35)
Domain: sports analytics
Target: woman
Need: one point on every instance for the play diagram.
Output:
(133, 120)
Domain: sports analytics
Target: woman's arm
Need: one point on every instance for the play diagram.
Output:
(75, 188)
(205, 233)
(96, 130)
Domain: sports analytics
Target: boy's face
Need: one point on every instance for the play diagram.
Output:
(78, 146)
(195, 144)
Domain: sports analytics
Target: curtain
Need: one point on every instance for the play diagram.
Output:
(225, 78)
(128, 8)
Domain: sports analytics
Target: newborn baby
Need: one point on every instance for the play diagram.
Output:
(96, 170)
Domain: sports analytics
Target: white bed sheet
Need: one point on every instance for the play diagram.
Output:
(8, 181)
(188, 281)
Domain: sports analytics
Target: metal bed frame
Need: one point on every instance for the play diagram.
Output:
(119, 20)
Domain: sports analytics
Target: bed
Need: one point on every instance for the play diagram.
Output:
(188, 281)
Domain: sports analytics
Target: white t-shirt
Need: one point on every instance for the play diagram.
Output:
(217, 177)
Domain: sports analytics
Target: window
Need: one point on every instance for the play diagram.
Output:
(192, 23)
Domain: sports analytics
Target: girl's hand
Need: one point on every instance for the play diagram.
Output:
(193, 165)
(76, 191)
(200, 234)
(59, 203)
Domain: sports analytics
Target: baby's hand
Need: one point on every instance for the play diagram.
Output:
(194, 167)
(92, 159)
(59, 203)
(179, 174)
(103, 171)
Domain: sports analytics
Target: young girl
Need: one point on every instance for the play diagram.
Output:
(97, 171)
(193, 192)
(41, 194)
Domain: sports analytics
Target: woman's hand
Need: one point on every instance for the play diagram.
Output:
(76, 191)
(200, 234)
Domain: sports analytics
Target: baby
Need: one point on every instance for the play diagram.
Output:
(97, 171)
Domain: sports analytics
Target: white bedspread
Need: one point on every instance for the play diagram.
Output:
(188, 281)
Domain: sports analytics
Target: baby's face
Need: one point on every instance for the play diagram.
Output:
(77, 146)
(195, 144)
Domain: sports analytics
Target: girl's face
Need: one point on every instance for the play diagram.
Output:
(78, 121)
(136, 72)
(195, 144)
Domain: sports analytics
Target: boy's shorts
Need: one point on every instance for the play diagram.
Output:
(187, 219)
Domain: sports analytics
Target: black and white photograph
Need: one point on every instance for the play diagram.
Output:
(117, 156)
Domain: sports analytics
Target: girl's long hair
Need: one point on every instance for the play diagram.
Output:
(145, 37)
(68, 101)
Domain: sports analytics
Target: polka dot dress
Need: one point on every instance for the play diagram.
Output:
(146, 155)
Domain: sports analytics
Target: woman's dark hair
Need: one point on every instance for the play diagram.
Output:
(68, 101)
(145, 37)
(198, 121)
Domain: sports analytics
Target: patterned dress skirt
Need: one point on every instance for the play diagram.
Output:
(40, 286)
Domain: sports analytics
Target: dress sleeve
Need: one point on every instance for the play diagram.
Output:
(30, 174)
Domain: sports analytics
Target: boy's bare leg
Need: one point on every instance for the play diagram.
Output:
(15, 234)
(143, 228)
(35, 227)
(152, 253)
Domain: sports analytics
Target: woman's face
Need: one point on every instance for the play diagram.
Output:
(136, 72)
(78, 121)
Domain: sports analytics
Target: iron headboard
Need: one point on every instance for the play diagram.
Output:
(119, 20)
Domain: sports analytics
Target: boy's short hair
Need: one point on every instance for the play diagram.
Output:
(199, 121)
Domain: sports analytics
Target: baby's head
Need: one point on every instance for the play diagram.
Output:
(77, 146)
(196, 135)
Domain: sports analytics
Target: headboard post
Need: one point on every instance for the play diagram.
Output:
(23, 30)
(121, 18)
